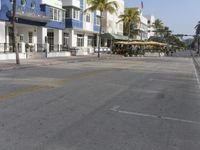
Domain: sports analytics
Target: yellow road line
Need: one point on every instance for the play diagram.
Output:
(23, 91)
(48, 85)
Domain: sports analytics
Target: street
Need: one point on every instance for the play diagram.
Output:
(143, 103)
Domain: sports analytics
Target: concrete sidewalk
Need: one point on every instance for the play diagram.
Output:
(26, 63)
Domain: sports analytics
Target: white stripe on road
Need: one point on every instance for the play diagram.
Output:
(116, 109)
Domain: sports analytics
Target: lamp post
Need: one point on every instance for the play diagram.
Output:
(14, 43)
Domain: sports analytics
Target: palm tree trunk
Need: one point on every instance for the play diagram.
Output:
(100, 30)
(198, 44)
(129, 31)
(15, 49)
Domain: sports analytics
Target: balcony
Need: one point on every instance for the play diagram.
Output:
(30, 14)
(71, 23)
(72, 3)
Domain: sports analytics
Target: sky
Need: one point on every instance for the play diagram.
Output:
(180, 15)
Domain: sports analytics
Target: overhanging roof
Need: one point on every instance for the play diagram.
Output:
(114, 36)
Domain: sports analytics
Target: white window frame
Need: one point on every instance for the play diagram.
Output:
(98, 19)
(88, 17)
(76, 14)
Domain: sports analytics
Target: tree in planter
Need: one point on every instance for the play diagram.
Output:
(102, 6)
(27, 46)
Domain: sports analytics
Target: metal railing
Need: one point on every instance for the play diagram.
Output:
(53, 48)
(64, 48)
(41, 48)
(58, 48)
(6, 48)
(29, 11)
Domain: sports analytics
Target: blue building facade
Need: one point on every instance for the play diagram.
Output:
(37, 21)
(31, 12)
(82, 27)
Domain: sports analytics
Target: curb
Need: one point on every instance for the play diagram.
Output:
(24, 66)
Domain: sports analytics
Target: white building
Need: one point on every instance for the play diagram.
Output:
(38, 22)
(111, 25)
(82, 29)
(144, 27)
(151, 29)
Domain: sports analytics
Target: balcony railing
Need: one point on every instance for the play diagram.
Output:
(30, 14)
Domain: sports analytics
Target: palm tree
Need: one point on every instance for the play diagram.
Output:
(130, 18)
(102, 6)
(197, 27)
(15, 49)
(158, 25)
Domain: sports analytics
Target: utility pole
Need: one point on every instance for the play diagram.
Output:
(14, 43)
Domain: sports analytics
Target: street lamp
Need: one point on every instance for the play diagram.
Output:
(15, 49)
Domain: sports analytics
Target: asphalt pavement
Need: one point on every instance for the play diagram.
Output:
(144, 103)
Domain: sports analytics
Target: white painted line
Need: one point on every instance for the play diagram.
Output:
(197, 77)
(116, 109)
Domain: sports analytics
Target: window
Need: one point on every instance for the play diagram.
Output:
(66, 39)
(51, 13)
(67, 13)
(60, 19)
(30, 37)
(76, 14)
(98, 20)
(90, 40)
(80, 40)
(87, 17)
(120, 27)
(33, 4)
(55, 13)
(63, 16)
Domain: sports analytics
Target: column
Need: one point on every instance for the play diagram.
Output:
(72, 39)
(2, 35)
(41, 34)
(58, 35)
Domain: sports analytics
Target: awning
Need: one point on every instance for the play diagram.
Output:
(141, 43)
(114, 36)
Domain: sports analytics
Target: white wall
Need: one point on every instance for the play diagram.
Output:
(12, 56)
(75, 3)
(24, 30)
(150, 28)
(57, 37)
(41, 34)
(54, 3)
(111, 25)
(2, 32)
(72, 37)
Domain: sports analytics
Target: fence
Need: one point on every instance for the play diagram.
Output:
(8, 48)
(41, 48)
(58, 48)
